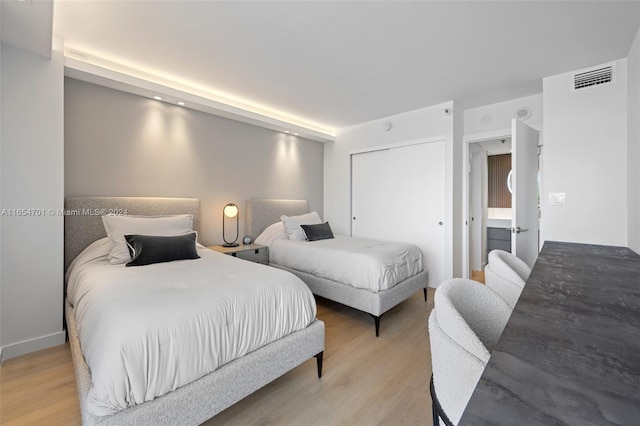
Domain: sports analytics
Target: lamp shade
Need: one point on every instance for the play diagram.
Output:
(230, 210)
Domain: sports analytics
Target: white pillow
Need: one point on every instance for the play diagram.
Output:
(119, 226)
(292, 224)
(272, 233)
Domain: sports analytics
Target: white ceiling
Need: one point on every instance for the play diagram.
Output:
(27, 25)
(343, 63)
(496, 146)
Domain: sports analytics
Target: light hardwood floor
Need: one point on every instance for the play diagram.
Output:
(366, 380)
(39, 389)
(478, 276)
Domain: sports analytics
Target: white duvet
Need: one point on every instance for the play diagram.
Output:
(372, 265)
(147, 330)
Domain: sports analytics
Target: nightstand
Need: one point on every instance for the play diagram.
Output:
(252, 252)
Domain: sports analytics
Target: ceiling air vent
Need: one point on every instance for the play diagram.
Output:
(593, 77)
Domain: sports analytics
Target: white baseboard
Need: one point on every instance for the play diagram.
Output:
(31, 345)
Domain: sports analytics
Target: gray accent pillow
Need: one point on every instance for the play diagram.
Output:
(149, 249)
(321, 231)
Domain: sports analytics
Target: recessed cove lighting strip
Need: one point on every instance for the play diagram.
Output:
(93, 69)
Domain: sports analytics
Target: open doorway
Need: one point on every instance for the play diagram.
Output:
(514, 227)
(489, 200)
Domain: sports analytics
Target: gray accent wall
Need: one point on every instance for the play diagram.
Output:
(119, 144)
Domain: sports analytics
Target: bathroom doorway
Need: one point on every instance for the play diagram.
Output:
(489, 200)
(502, 205)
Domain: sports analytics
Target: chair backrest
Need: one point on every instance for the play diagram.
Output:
(471, 314)
(513, 262)
(506, 275)
(464, 326)
(455, 371)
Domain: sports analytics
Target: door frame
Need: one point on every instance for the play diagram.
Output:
(467, 141)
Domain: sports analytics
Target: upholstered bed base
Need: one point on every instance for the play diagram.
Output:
(202, 399)
(374, 303)
(263, 212)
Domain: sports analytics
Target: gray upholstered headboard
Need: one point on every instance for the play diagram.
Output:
(83, 221)
(264, 212)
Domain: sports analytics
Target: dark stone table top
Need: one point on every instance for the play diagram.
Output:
(570, 353)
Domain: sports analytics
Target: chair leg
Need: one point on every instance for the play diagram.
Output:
(436, 410)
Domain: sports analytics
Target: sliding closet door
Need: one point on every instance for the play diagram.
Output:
(397, 194)
(369, 193)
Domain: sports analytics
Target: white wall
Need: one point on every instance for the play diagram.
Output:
(633, 157)
(32, 176)
(1, 204)
(119, 144)
(585, 156)
(455, 170)
(478, 188)
(422, 124)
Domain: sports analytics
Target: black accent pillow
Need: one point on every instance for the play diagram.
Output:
(321, 231)
(149, 249)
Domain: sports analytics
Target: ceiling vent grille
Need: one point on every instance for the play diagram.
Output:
(593, 77)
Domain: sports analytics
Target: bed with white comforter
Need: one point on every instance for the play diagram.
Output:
(366, 264)
(372, 276)
(182, 333)
(146, 331)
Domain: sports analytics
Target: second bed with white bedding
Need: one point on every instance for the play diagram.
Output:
(371, 276)
(145, 331)
(366, 264)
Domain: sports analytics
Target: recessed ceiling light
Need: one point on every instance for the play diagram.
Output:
(295, 134)
(286, 131)
(181, 103)
(157, 98)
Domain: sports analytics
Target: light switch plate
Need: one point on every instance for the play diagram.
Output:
(557, 198)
